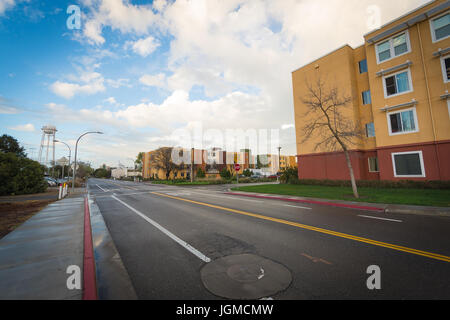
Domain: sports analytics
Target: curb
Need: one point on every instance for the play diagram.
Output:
(386, 208)
(89, 281)
(332, 204)
(112, 279)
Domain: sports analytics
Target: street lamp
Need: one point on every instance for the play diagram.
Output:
(70, 154)
(279, 159)
(75, 161)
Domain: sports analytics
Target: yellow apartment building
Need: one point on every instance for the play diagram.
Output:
(398, 85)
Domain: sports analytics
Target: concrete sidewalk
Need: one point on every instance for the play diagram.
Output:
(34, 257)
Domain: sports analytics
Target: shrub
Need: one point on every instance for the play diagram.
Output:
(289, 175)
(385, 184)
(225, 174)
(247, 173)
(19, 175)
(200, 173)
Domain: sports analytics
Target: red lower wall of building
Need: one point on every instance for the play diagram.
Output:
(333, 166)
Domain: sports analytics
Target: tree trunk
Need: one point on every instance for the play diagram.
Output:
(352, 176)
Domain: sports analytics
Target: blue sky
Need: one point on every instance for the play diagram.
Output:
(139, 70)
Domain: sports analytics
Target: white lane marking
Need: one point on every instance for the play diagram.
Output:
(101, 188)
(287, 205)
(184, 244)
(386, 219)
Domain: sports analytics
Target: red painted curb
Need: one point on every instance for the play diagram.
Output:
(332, 204)
(89, 282)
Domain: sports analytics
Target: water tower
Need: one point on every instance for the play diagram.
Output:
(48, 132)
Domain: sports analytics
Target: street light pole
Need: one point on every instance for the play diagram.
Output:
(70, 154)
(75, 161)
(279, 158)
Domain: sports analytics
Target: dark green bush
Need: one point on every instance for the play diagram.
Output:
(289, 175)
(225, 174)
(200, 173)
(20, 175)
(385, 184)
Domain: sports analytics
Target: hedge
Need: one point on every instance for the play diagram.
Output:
(403, 184)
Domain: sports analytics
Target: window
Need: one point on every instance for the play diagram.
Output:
(402, 122)
(398, 83)
(408, 164)
(448, 107)
(366, 97)
(373, 164)
(363, 66)
(370, 130)
(440, 27)
(393, 47)
(445, 62)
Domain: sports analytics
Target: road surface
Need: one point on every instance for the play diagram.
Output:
(198, 243)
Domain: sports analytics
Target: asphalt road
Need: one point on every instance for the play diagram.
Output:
(167, 235)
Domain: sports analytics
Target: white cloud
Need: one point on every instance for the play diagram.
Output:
(119, 15)
(25, 127)
(158, 80)
(91, 83)
(118, 83)
(6, 107)
(5, 5)
(111, 100)
(144, 47)
(287, 126)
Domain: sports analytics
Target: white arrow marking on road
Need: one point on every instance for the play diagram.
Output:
(184, 244)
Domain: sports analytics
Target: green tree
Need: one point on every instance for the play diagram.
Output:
(10, 144)
(289, 174)
(225, 174)
(139, 160)
(20, 175)
(84, 170)
(101, 173)
(200, 173)
(247, 173)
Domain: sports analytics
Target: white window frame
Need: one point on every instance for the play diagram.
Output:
(448, 107)
(393, 56)
(433, 34)
(444, 70)
(416, 123)
(411, 89)
(368, 162)
(422, 166)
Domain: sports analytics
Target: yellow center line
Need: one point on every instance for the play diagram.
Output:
(316, 229)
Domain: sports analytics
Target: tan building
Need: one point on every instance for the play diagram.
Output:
(398, 84)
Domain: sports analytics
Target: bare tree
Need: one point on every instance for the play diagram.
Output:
(162, 160)
(329, 125)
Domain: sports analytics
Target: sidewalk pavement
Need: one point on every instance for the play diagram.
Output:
(34, 257)
(386, 208)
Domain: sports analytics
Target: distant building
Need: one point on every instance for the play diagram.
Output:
(122, 172)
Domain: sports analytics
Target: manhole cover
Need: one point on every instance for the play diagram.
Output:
(245, 276)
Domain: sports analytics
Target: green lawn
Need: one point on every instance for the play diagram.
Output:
(423, 197)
